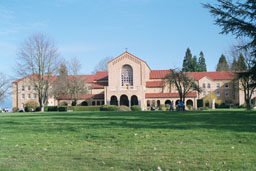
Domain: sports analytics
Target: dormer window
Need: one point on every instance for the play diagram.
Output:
(127, 76)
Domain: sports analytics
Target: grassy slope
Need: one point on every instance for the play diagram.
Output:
(209, 140)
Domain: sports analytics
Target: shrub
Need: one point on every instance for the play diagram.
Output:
(84, 108)
(123, 108)
(136, 108)
(203, 108)
(31, 106)
(15, 109)
(1, 111)
(38, 109)
(108, 108)
(52, 108)
(242, 106)
(63, 108)
(162, 107)
(167, 106)
(190, 107)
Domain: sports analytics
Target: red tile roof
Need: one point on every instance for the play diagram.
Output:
(82, 96)
(152, 84)
(168, 95)
(158, 74)
(101, 76)
(218, 75)
(98, 86)
(221, 75)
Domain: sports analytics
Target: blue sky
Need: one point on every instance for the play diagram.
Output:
(157, 31)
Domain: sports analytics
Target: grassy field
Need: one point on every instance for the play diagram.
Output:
(200, 140)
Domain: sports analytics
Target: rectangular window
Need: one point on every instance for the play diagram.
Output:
(217, 93)
(23, 88)
(29, 88)
(203, 85)
(34, 95)
(226, 85)
(204, 93)
(29, 96)
(208, 85)
(217, 85)
(34, 87)
(23, 96)
(226, 93)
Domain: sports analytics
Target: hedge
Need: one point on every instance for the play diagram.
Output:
(84, 108)
(136, 108)
(108, 108)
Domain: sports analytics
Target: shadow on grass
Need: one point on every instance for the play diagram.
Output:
(243, 121)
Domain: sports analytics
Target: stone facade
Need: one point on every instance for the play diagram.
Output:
(130, 81)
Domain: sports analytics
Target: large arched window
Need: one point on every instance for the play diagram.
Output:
(127, 75)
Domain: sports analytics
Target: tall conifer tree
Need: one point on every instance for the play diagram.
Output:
(187, 62)
(201, 63)
(241, 66)
(234, 65)
(222, 65)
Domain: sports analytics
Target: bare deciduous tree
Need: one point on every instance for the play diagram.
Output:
(4, 86)
(102, 65)
(183, 82)
(77, 84)
(37, 60)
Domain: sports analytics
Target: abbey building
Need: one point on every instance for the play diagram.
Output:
(130, 81)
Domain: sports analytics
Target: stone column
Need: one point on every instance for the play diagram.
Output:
(118, 103)
(129, 103)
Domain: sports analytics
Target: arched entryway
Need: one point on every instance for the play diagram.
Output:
(148, 103)
(158, 103)
(113, 100)
(134, 100)
(124, 100)
(84, 103)
(177, 102)
(168, 102)
(189, 103)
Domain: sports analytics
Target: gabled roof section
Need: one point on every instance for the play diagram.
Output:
(158, 74)
(101, 76)
(132, 56)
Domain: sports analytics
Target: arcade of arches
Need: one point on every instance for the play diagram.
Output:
(124, 100)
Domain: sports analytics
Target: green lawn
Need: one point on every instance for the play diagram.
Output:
(200, 140)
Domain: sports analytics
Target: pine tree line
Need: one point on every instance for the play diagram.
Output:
(236, 65)
(191, 64)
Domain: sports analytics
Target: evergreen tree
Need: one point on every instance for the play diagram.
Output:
(234, 65)
(222, 65)
(194, 66)
(187, 62)
(201, 63)
(241, 66)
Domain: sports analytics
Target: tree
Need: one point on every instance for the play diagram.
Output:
(77, 84)
(237, 18)
(187, 62)
(37, 60)
(212, 99)
(102, 65)
(195, 65)
(222, 65)
(183, 82)
(244, 76)
(61, 84)
(4, 86)
(233, 66)
(241, 66)
(201, 63)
